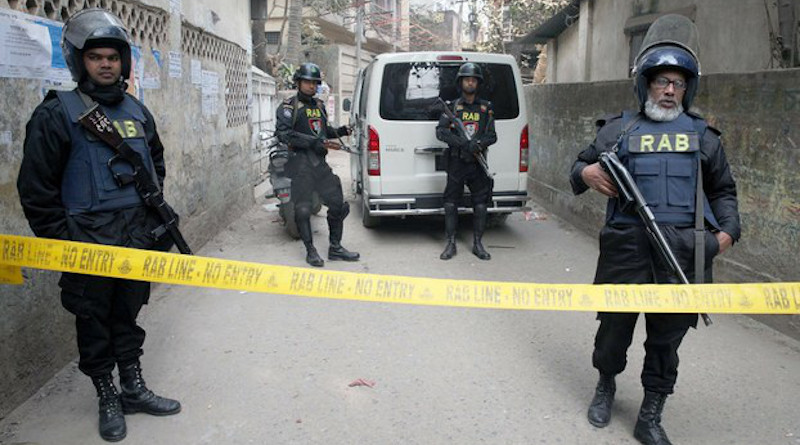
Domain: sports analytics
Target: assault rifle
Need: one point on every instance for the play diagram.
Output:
(630, 194)
(344, 147)
(463, 131)
(97, 123)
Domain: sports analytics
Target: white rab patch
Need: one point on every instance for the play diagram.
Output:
(287, 112)
(472, 128)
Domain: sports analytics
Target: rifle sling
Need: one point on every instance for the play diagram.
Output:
(699, 228)
(120, 147)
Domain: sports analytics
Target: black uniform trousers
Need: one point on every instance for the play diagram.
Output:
(105, 312)
(307, 178)
(627, 257)
(460, 172)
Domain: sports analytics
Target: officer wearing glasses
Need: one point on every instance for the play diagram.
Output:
(678, 162)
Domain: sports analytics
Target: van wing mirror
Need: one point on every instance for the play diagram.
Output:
(346, 104)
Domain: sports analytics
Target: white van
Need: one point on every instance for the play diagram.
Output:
(400, 169)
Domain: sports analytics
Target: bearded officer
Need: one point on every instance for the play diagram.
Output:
(679, 164)
(461, 159)
(67, 192)
(302, 124)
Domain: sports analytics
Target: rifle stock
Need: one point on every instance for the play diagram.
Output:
(630, 193)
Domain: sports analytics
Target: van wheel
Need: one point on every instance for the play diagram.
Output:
(368, 220)
(286, 211)
(496, 220)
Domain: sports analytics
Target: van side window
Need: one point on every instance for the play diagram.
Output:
(411, 89)
(362, 106)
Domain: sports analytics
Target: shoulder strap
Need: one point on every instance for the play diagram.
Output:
(699, 227)
(295, 107)
(625, 130)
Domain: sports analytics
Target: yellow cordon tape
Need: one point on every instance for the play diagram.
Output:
(134, 264)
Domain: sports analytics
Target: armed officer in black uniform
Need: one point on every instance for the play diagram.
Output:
(302, 124)
(461, 158)
(68, 192)
(679, 164)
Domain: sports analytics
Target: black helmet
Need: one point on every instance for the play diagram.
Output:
(308, 71)
(469, 69)
(94, 28)
(670, 43)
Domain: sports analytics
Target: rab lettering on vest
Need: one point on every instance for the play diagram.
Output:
(470, 116)
(664, 143)
(313, 112)
(128, 128)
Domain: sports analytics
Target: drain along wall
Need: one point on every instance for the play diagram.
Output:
(203, 122)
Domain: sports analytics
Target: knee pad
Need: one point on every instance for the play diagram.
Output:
(302, 211)
(340, 213)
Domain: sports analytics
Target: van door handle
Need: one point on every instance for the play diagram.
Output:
(429, 150)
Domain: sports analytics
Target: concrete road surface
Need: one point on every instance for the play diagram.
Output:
(272, 369)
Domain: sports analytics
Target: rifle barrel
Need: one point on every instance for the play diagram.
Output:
(626, 185)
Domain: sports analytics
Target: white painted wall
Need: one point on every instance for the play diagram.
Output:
(232, 20)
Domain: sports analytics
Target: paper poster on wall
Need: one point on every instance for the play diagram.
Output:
(175, 67)
(157, 57)
(5, 137)
(152, 75)
(210, 91)
(29, 47)
(197, 72)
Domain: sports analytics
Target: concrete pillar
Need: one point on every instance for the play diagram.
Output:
(584, 40)
(552, 61)
(403, 10)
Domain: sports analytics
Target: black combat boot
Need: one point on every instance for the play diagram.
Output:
(312, 256)
(450, 225)
(479, 226)
(600, 410)
(336, 251)
(648, 428)
(136, 398)
(303, 221)
(112, 422)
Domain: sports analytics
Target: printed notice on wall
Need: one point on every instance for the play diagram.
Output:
(175, 68)
(197, 72)
(210, 89)
(29, 47)
(5, 137)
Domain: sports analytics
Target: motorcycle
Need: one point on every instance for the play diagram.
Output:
(278, 155)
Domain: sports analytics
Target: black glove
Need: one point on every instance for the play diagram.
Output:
(473, 146)
(344, 130)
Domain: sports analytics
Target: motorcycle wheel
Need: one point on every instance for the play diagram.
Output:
(286, 212)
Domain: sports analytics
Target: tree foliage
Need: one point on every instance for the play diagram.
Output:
(506, 20)
(323, 7)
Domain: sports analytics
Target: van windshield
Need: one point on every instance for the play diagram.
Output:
(411, 90)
